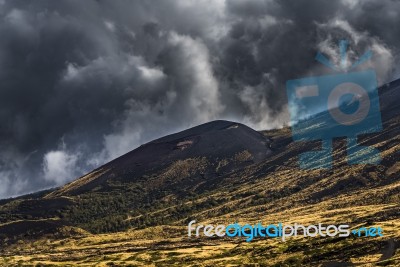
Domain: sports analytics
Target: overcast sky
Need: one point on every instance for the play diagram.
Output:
(82, 82)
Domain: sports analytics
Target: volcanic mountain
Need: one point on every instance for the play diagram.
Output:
(206, 152)
(167, 170)
(134, 210)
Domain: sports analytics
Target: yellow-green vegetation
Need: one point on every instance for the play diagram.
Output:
(169, 245)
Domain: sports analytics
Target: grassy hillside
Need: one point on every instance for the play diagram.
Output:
(138, 216)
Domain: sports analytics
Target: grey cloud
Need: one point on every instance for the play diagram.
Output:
(82, 82)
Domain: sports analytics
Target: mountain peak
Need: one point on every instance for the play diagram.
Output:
(209, 127)
(221, 147)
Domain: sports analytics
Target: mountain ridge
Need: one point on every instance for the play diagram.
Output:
(215, 140)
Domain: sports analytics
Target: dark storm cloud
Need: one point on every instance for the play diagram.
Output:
(82, 82)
